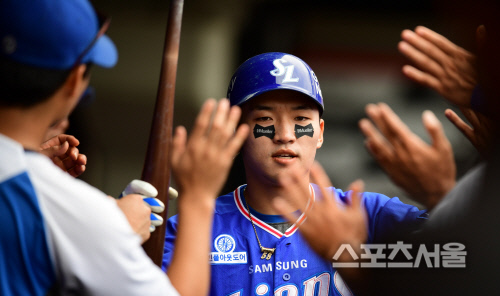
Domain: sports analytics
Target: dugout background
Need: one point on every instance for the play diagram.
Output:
(351, 45)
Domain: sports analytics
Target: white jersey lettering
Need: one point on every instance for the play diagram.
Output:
(324, 285)
(289, 290)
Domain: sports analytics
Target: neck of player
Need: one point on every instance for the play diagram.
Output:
(260, 195)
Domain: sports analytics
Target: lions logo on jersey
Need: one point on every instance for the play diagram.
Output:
(224, 245)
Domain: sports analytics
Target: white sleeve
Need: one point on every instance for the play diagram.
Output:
(94, 249)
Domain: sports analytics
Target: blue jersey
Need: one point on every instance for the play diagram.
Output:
(294, 268)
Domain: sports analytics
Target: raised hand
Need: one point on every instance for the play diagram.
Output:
(440, 64)
(426, 172)
(328, 225)
(201, 163)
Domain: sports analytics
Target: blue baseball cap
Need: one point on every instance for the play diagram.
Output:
(54, 34)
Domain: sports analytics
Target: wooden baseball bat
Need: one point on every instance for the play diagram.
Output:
(156, 168)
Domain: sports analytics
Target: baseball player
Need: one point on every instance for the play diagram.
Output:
(254, 250)
(61, 236)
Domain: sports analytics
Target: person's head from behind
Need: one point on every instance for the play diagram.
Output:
(282, 103)
(46, 48)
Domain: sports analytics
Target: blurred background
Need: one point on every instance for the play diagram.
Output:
(351, 45)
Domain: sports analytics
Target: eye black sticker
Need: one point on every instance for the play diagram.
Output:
(307, 130)
(260, 131)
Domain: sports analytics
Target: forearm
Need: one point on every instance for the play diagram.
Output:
(192, 245)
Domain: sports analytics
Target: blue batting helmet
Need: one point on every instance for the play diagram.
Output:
(272, 71)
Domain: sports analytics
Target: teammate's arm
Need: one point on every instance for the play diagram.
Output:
(200, 167)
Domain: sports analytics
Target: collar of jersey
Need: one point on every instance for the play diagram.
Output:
(262, 220)
(263, 217)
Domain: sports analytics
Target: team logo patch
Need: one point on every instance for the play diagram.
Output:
(261, 131)
(224, 246)
(307, 130)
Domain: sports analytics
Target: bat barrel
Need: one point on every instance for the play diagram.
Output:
(156, 168)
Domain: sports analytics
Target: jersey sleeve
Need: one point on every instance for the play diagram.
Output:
(388, 217)
(168, 249)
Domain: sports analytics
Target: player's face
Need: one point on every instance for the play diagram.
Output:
(267, 157)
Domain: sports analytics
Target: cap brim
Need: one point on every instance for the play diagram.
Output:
(104, 53)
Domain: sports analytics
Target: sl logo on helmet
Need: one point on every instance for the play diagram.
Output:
(318, 90)
(281, 70)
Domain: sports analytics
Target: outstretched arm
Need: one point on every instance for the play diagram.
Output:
(426, 172)
(200, 167)
(440, 64)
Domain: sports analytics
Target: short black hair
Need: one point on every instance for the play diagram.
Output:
(23, 85)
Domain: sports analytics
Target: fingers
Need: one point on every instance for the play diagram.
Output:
(422, 77)
(234, 117)
(57, 150)
(59, 140)
(155, 204)
(77, 170)
(301, 195)
(222, 132)
(435, 130)
(426, 55)
(69, 160)
(460, 124)
(156, 220)
(219, 119)
(389, 124)
(68, 138)
(178, 143)
(437, 40)
(241, 134)
(202, 123)
(140, 187)
(357, 187)
(480, 36)
(285, 209)
(239, 138)
(319, 176)
(376, 144)
(394, 124)
(471, 116)
(172, 193)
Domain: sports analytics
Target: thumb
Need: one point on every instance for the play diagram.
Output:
(435, 130)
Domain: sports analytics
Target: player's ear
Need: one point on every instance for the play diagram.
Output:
(321, 131)
(76, 83)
